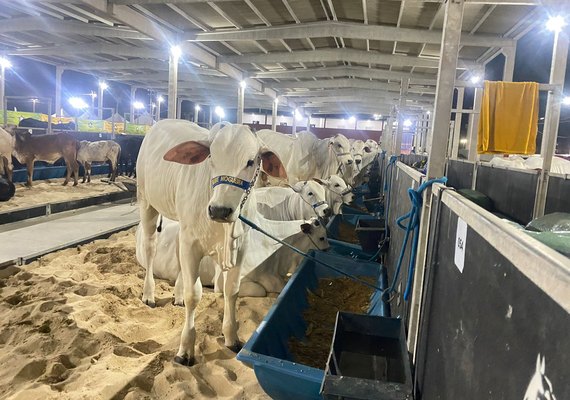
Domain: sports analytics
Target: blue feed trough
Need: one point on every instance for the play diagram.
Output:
(267, 350)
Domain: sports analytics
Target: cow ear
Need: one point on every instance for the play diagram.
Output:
(297, 187)
(306, 228)
(272, 165)
(188, 153)
(321, 181)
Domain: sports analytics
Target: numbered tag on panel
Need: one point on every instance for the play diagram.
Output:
(460, 243)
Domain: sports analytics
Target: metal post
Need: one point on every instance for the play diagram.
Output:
(172, 85)
(294, 127)
(179, 108)
(508, 71)
(157, 108)
(436, 163)
(132, 109)
(210, 116)
(196, 112)
(400, 132)
(551, 119)
(457, 127)
(240, 105)
(473, 125)
(100, 102)
(49, 117)
(274, 115)
(2, 90)
(309, 122)
(387, 143)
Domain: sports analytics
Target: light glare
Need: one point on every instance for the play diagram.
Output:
(197, 108)
(5, 63)
(138, 105)
(475, 79)
(176, 51)
(103, 85)
(243, 84)
(219, 112)
(352, 119)
(160, 99)
(566, 101)
(555, 23)
(408, 123)
(77, 102)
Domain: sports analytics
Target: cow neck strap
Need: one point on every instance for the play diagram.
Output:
(318, 204)
(251, 185)
(230, 180)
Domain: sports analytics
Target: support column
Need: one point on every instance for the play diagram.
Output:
(210, 115)
(509, 70)
(196, 111)
(294, 128)
(241, 100)
(473, 125)
(551, 119)
(2, 92)
(58, 74)
(172, 85)
(179, 108)
(100, 101)
(436, 163)
(132, 108)
(274, 115)
(400, 132)
(309, 122)
(387, 142)
(457, 127)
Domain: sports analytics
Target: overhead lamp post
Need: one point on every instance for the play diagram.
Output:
(175, 54)
(34, 101)
(196, 112)
(159, 101)
(93, 96)
(241, 99)
(102, 87)
(4, 65)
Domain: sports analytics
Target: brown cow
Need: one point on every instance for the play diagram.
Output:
(48, 148)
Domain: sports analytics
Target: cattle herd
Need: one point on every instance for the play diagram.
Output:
(195, 186)
(21, 148)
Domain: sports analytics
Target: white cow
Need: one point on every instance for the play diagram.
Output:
(6, 150)
(100, 151)
(270, 261)
(337, 192)
(199, 179)
(304, 156)
(302, 200)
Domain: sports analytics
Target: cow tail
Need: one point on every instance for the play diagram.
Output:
(117, 162)
(159, 228)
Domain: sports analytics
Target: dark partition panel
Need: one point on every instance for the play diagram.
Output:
(483, 329)
(558, 196)
(512, 192)
(460, 174)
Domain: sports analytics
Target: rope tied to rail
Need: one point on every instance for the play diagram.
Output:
(412, 228)
(296, 250)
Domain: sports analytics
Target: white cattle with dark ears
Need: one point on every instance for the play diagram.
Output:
(305, 157)
(303, 200)
(200, 179)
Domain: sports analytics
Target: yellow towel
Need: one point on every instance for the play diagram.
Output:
(509, 118)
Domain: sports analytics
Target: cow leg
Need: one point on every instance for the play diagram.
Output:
(229, 324)
(190, 255)
(179, 290)
(30, 168)
(149, 216)
(88, 169)
(8, 168)
(84, 171)
(67, 171)
(75, 166)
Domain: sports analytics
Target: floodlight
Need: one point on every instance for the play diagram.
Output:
(138, 105)
(352, 119)
(475, 79)
(243, 84)
(407, 123)
(160, 99)
(176, 51)
(103, 85)
(566, 100)
(5, 63)
(77, 102)
(197, 107)
(298, 115)
(219, 112)
(276, 101)
(555, 23)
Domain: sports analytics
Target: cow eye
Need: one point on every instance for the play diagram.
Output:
(322, 239)
(250, 163)
(317, 223)
(337, 185)
(310, 193)
(338, 145)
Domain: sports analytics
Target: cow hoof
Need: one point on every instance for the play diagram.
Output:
(150, 303)
(187, 362)
(75, 184)
(179, 303)
(64, 183)
(236, 347)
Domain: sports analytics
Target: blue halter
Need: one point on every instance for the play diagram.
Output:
(320, 203)
(230, 180)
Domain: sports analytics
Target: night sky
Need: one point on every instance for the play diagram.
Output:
(32, 78)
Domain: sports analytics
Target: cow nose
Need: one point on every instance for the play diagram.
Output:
(328, 212)
(219, 213)
(358, 161)
(349, 162)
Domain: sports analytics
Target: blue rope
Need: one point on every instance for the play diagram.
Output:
(413, 228)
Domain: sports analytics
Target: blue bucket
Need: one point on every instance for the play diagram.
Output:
(267, 350)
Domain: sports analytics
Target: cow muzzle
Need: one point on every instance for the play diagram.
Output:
(220, 214)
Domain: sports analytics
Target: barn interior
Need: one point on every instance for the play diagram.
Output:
(445, 272)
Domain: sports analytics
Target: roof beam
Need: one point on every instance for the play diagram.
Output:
(333, 96)
(338, 55)
(182, 76)
(345, 83)
(342, 71)
(95, 48)
(54, 25)
(347, 30)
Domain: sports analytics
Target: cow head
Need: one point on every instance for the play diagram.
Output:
(340, 146)
(314, 195)
(317, 233)
(234, 154)
(540, 387)
(357, 150)
(341, 192)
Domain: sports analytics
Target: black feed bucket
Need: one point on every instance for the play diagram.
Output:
(368, 360)
(370, 232)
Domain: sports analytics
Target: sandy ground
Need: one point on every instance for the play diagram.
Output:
(73, 327)
(52, 191)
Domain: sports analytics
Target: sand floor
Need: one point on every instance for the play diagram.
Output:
(73, 327)
(52, 191)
